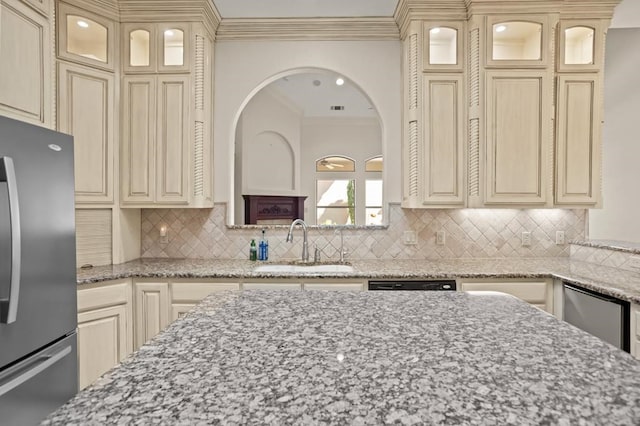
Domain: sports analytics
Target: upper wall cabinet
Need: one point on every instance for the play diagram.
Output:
(26, 64)
(85, 38)
(160, 47)
(517, 41)
(581, 46)
(443, 46)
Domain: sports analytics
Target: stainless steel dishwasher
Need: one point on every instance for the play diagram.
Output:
(603, 316)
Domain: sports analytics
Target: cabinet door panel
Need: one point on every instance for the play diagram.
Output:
(578, 156)
(138, 139)
(25, 68)
(86, 112)
(517, 137)
(151, 310)
(173, 140)
(443, 140)
(102, 342)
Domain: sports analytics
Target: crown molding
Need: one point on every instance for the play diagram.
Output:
(171, 10)
(106, 8)
(440, 10)
(308, 29)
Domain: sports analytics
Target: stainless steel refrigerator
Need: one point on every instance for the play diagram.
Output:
(38, 313)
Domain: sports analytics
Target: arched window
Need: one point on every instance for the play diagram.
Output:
(373, 191)
(335, 164)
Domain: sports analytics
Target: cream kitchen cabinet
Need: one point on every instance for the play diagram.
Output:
(435, 116)
(156, 47)
(166, 153)
(151, 306)
(156, 143)
(518, 137)
(26, 65)
(87, 111)
(539, 293)
(105, 328)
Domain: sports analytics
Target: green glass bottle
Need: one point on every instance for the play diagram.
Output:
(253, 251)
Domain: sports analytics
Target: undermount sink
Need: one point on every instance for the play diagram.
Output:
(313, 268)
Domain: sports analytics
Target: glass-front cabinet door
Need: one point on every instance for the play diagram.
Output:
(85, 38)
(156, 47)
(517, 41)
(580, 46)
(139, 47)
(443, 46)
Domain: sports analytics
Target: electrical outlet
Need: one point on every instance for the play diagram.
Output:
(440, 238)
(526, 239)
(409, 238)
(634, 262)
(559, 237)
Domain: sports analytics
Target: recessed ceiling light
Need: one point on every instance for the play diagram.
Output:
(340, 81)
(168, 33)
(501, 28)
(316, 83)
(83, 24)
(435, 30)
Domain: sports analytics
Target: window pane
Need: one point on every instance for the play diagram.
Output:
(374, 216)
(333, 216)
(517, 41)
(86, 38)
(578, 48)
(335, 201)
(335, 164)
(442, 45)
(373, 165)
(139, 48)
(173, 47)
(373, 193)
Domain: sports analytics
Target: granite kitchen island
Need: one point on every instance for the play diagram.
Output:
(322, 357)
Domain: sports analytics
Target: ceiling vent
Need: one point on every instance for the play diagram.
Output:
(336, 107)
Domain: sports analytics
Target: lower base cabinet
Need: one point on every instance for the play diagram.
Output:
(105, 328)
(151, 309)
(539, 293)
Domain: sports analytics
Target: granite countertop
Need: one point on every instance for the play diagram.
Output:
(610, 281)
(322, 357)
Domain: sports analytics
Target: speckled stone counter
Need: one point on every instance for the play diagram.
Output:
(610, 281)
(321, 357)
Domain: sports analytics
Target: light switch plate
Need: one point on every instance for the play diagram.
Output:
(526, 239)
(440, 238)
(409, 238)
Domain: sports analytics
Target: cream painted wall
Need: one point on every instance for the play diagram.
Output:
(269, 149)
(243, 68)
(618, 219)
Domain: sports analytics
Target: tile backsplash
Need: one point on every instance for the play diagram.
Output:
(469, 233)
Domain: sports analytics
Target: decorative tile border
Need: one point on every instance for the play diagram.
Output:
(470, 233)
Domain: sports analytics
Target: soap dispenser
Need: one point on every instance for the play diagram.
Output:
(263, 247)
(252, 250)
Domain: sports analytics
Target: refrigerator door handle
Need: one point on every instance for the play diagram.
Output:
(40, 364)
(9, 306)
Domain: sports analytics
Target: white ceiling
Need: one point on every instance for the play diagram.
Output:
(304, 8)
(315, 93)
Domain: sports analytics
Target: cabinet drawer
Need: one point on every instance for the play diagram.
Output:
(271, 286)
(106, 294)
(532, 292)
(198, 291)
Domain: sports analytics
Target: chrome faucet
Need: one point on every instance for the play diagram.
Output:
(305, 242)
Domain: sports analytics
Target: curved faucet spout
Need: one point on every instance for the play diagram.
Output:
(305, 242)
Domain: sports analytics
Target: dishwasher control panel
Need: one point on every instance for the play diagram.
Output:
(418, 285)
